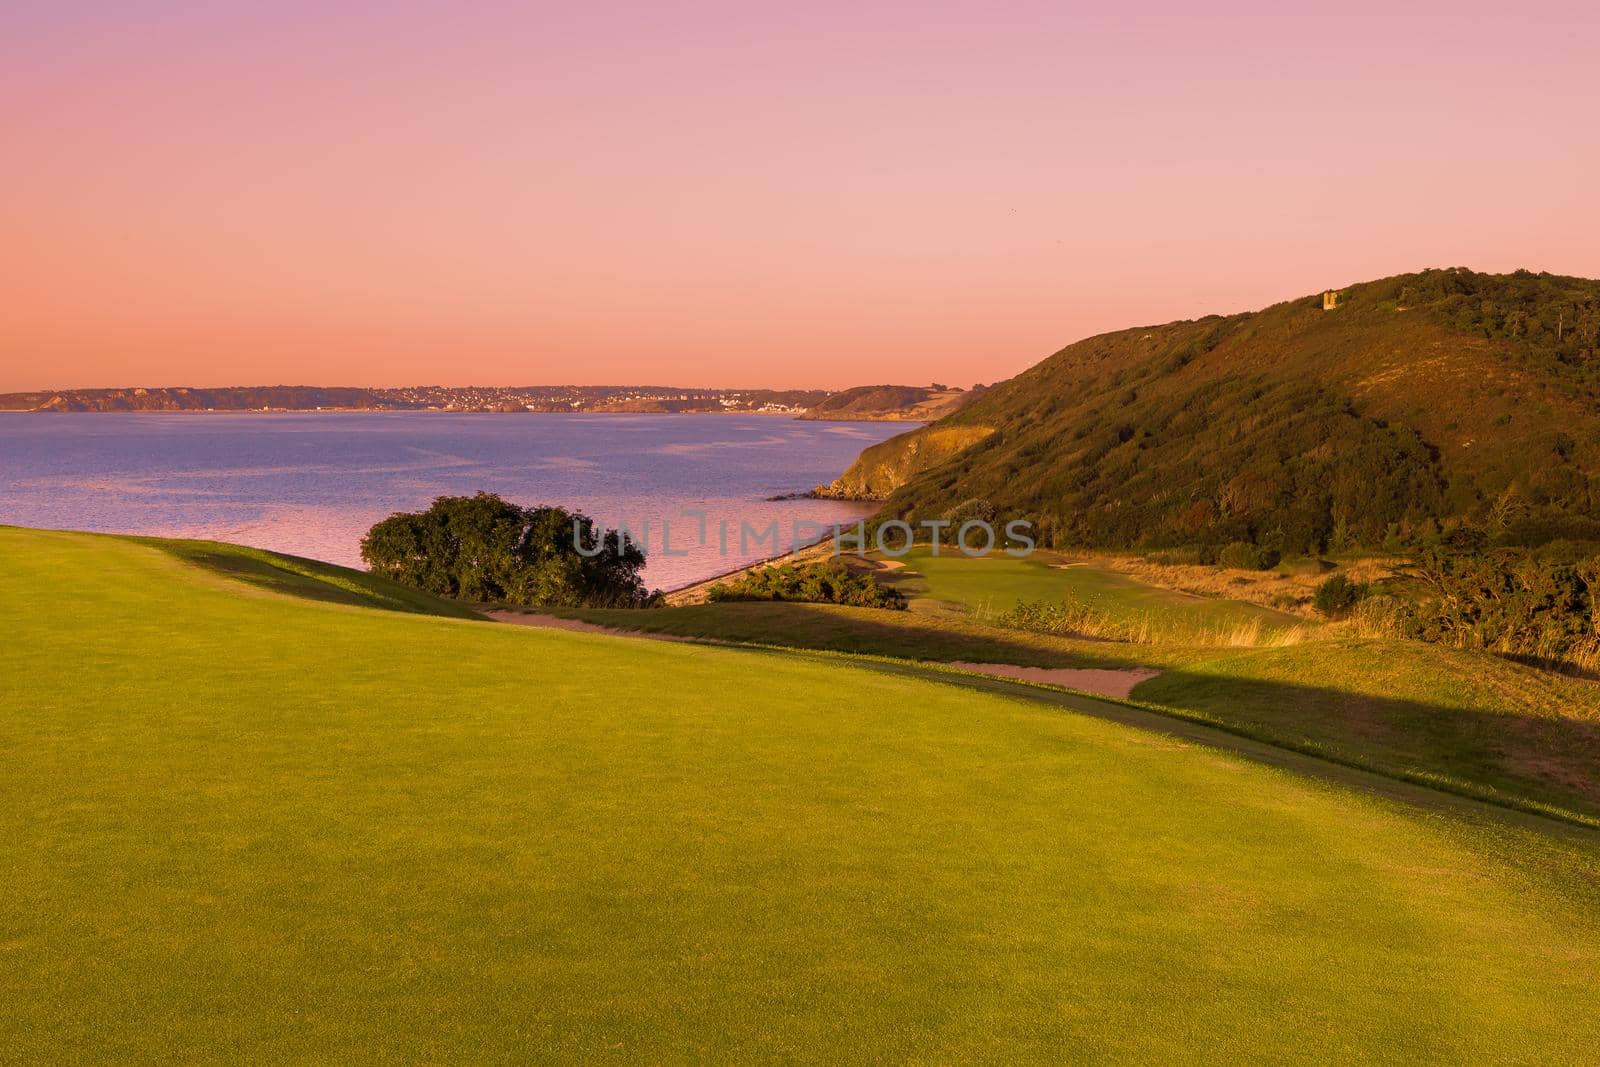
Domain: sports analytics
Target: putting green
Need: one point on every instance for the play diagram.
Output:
(239, 825)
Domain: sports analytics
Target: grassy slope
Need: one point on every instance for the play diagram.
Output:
(257, 827)
(307, 578)
(1472, 722)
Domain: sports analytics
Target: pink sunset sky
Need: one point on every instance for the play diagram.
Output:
(749, 194)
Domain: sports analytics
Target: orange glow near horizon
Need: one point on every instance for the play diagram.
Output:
(743, 195)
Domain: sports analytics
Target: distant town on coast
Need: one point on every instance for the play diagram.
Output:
(867, 402)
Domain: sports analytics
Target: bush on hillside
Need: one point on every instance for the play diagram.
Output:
(1241, 555)
(972, 511)
(484, 549)
(1513, 603)
(1335, 596)
(826, 583)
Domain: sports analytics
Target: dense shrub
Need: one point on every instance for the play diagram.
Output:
(1335, 596)
(972, 511)
(484, 549)
(1241, 555)
(1510, 602)
(825, 583)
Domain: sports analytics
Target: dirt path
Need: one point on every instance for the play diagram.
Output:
(1109, 683)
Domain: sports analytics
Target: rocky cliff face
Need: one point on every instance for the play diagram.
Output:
(888, 465)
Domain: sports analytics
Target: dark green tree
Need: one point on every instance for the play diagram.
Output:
(485, 549)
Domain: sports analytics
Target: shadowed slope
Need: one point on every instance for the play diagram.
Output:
(307, 578)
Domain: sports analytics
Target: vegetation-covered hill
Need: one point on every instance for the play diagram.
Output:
(1421, 399)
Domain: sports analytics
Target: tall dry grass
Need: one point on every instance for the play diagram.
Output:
(1081, 617)
(1375, 616)
(1281, 590)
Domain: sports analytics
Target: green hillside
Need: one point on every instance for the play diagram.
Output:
(1422, 398)
(242, 825)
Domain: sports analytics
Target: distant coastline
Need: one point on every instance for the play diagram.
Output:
(864, 403)
(421, 411)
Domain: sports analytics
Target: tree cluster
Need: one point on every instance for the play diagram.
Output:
(487, 550)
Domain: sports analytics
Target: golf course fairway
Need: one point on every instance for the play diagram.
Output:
(238, 824)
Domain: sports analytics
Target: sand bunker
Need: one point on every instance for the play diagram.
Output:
(1108, 683)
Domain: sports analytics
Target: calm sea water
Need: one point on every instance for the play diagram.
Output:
(311, 484)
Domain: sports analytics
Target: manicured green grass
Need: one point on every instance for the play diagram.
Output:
(307, 578)
(242, 826)
(992, 585)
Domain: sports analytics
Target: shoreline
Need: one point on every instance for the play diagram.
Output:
(791, 415)
(396, 411)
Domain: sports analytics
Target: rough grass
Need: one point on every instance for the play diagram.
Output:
(1289, 587)
(1115, 606)
(1108, 619)
(236, 825)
